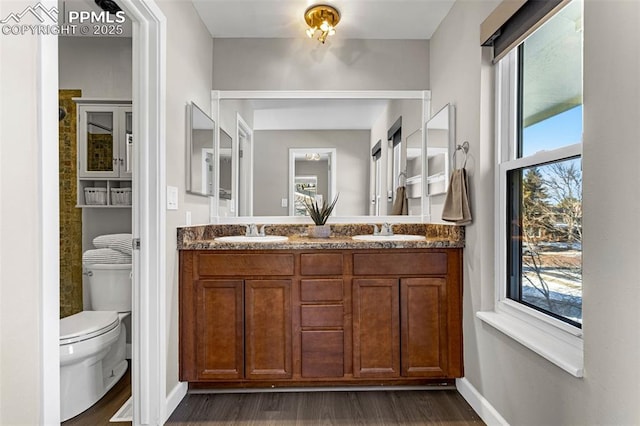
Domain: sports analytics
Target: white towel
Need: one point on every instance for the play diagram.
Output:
(119, 242)
(102, 256)
(456, 206)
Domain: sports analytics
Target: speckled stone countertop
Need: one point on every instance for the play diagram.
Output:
(203, 237)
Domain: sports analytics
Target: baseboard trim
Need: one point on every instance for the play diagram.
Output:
(175, 396)
(320, 389)
(485, 410)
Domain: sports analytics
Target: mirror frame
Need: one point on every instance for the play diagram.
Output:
(219, 95)
(450, 148)
(189, 145)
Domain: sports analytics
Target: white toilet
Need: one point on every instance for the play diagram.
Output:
(93, 343)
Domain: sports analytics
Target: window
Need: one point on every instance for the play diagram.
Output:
(542, 170)
(539, 191)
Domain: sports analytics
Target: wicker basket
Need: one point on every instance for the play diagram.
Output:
(121, 196)
(95, 196)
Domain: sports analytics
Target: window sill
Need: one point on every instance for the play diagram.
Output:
(558, 347)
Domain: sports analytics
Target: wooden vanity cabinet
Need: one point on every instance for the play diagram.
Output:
(407, 318)
(320, 317)
(235, 328)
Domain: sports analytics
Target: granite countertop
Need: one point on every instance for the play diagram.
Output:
(203, 237)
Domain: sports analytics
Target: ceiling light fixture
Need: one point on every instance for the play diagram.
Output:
(323, 19)
(312, 156)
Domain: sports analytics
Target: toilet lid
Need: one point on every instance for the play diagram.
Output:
(86, 324)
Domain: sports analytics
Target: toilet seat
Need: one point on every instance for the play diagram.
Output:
(86, 325)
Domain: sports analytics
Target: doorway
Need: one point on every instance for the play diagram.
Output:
(149, 280)
(319, 163)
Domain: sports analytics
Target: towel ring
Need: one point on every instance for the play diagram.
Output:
(464, 147)
(402, 175)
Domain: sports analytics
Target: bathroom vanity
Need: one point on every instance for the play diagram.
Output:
(311, 312)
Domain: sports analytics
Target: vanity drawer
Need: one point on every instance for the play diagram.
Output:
(389, 263)
(322, 316)
(321, 264)
(322, 353)
(328, 290)
(235, 264)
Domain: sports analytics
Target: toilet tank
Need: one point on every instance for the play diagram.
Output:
(110, 287)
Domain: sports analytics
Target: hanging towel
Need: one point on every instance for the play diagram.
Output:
(119, 242)
(401, 204)
(456, 205)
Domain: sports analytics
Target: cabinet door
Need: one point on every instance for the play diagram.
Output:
(376, 340)
(98, 139)
(219, 330)
(268, 329)
(423, 306)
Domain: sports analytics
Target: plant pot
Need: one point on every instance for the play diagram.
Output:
(319, 231)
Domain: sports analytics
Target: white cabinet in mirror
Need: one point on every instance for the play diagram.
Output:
(200, 152)
(263, 177)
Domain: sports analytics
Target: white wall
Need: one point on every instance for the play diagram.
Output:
(189, 70)
(99, 66)
(305, 64)
(21, 307)
(525, 388)
(271, 167)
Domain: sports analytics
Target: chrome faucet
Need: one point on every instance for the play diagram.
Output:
(387, 229)
(251, 230)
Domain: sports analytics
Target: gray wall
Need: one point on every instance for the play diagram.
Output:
(271, 167)
(189, 69)
(525, 388)
(304, 64)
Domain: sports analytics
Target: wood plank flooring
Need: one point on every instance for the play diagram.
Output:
(434, 407)
(100, 413)
(429, 407)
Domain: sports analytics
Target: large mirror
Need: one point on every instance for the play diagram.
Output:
(300, 144)
(200, 158)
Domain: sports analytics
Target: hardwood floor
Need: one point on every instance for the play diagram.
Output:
(100, 413)
(431, 407)
(441, 407)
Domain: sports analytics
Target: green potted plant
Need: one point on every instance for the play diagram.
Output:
(319, 215)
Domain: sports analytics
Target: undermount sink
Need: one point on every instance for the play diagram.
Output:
(397, 237)
(245, 239)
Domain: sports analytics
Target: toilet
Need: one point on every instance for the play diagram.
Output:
(93, 343)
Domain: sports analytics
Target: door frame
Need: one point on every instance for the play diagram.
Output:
(149, 225)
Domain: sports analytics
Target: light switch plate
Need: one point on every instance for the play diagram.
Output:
(284, 202)
(172, 198)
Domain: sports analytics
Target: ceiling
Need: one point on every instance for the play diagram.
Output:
(360, 19)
